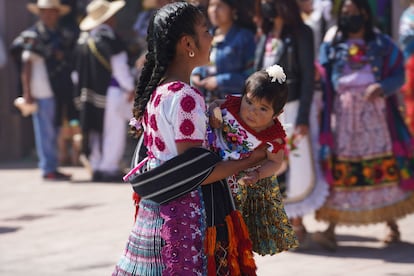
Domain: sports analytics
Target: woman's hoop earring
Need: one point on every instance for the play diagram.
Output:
(191, 54)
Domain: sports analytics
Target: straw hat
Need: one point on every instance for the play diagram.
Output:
(98, 11)
(48, 4)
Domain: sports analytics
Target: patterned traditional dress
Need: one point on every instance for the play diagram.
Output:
(366, 177)
(194, 233)
(261, 205)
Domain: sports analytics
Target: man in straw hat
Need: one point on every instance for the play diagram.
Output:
(105, 91)
(44, 54)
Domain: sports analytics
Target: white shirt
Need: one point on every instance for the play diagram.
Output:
(39, 80)
(119, 64)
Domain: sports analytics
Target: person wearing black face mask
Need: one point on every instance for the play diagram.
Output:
(352, 23)
(367, 162)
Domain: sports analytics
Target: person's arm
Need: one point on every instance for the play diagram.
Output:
(224, 169)
(3, 55)
(269, 168)
(122, 73)
(307, 73)
(233, 81)
(26, 76)
(394, 61)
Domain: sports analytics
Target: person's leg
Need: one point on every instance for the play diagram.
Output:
(62, 142)
(45, 135)
(95, 157)
(394, 232)
(327, 238)
(115, 131)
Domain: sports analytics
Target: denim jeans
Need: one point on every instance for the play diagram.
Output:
(45, 133)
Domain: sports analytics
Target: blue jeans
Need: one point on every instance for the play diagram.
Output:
(45, 133)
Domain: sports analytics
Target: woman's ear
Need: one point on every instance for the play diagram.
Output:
(188, 44)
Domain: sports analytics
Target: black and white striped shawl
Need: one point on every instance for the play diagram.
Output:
(175, 177)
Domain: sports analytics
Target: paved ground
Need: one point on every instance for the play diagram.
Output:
(80, 228)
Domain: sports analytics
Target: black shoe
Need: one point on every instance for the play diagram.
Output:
(97, 176)
(115, 177)
(57, 176)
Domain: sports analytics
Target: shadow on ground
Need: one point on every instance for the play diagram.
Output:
(350, 246)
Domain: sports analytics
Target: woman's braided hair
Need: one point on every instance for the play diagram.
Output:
(167, 26)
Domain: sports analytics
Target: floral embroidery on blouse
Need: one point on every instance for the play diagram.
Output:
(357, 55)
(236, 138)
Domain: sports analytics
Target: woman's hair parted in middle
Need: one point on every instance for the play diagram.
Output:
(166, 28)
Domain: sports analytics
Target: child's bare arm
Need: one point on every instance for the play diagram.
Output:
(270, 166)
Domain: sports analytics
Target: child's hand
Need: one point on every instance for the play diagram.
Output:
(250, 178)
(216, 120)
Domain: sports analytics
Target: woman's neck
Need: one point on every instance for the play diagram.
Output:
(357, 35)
(177, 73)
(276, 31)
(223, 29)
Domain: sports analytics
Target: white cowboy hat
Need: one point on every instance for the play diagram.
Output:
(98, 11)
(48, 4)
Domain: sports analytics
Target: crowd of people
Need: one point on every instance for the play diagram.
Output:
(251, 115)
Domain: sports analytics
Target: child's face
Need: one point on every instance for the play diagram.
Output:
(258, 114)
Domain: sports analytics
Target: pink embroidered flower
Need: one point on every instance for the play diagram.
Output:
(176, 229)
(176, 254)
(188, 104)
(187, 127)
(234, 138)
(157, 100)
(160, 144)
(149, 141)
(146, 117)
(176, 86)
(153, 122)
(171, 211)
(198, 91)
(145, 139)
(153, 95)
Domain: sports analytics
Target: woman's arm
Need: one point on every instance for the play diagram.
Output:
(224, 169)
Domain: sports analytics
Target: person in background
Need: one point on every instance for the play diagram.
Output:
(406, 32)
(192, 231)
(288, 41)
(149, 7)
(104, 91)
(367, 151)
(45, 76)
(232, 53)
(317, 14)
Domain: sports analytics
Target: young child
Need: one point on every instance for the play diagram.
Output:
(241, 124)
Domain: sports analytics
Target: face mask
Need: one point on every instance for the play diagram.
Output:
(352, 23)
(268, 10)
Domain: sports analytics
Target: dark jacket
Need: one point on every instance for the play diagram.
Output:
(297, 60)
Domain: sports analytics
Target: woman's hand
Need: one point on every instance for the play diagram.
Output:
(209, 83)
(300, 131)
(215, 120)
(249, 179)
(196, 81)
(373, 92)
